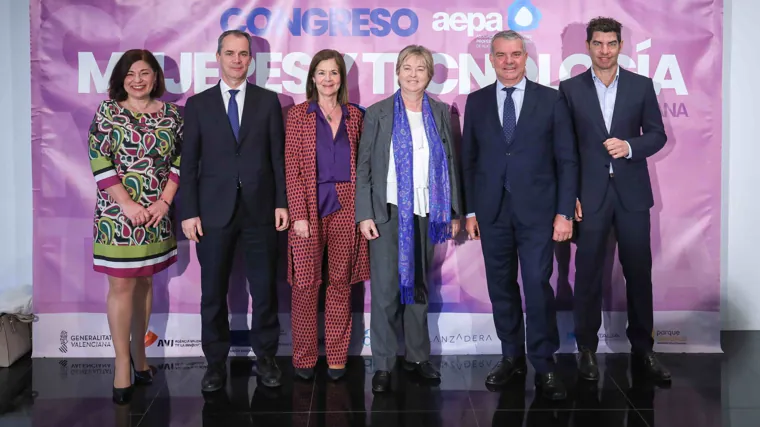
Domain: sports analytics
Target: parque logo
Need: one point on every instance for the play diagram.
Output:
(670, 336)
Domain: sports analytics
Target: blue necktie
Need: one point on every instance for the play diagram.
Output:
(508, 124)
(232, 113)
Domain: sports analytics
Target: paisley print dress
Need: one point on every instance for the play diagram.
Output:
(141, 152)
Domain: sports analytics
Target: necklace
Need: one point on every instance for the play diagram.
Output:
(329, 115)
(132, 107)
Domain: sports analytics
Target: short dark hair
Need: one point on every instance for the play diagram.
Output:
(604, 25)
(325, 55)
(116, 89)
(237, 33)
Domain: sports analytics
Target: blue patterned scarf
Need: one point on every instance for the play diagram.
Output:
(439, 188)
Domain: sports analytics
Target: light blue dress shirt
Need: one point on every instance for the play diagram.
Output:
(607, 96)
(517, 97)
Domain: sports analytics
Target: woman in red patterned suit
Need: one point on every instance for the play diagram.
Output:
(321, 139)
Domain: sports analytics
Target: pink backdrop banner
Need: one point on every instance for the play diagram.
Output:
(75, 44)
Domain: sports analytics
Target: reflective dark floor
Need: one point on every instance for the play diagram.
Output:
(707, 390)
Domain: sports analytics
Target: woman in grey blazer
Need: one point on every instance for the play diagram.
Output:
(407, 200)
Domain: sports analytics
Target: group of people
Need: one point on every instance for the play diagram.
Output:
(368, 195)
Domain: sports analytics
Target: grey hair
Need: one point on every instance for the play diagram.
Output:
(509, 35)
(238, 33)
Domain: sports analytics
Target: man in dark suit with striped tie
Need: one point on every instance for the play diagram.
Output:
(233, 188)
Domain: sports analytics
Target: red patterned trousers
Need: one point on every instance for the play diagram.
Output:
(305, 298)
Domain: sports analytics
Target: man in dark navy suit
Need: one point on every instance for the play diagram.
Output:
(520, 175)
(233, 188)
(618, 125)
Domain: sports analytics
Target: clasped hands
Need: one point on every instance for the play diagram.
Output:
(149, 217)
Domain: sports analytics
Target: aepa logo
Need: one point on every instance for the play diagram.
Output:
(521, 15)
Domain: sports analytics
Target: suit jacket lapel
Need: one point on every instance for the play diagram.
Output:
(353, 123)
(386, 128)
(493, 111)
(308, 147)
(528, 105)
(593, 100)
(249, 109)
(620, 97)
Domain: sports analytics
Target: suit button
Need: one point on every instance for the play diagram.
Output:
(237, 154)
(509, 154)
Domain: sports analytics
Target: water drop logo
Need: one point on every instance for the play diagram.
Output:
(522, 15)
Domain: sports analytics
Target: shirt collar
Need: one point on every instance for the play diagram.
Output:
(225, 88)
(518, 86)
(313, 107)
(596, 79)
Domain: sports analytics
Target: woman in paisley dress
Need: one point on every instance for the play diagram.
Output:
(134, 143)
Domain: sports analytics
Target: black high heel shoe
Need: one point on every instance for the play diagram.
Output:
(142, 377)
(123, 396)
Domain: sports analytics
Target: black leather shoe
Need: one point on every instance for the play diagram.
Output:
(503, 371)
(588, 369)
(268, 371)
(305, 373)
(551, 386)
(122, 396)
(424, 369)
(381, 382)
(648, 364)
(336, 374)
(213, 379)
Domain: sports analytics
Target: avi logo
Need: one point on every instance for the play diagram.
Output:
(151, 338)
(521, 15)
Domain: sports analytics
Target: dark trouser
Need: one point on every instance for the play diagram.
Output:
(387, 310)
(632, 230)
(502, 241)
(215, 255)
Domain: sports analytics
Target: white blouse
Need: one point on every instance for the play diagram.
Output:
(420, 167)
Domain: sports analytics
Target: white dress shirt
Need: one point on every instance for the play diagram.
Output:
(239, 97)
(420, 167)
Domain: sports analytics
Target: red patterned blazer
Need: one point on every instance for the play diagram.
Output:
(301, 188)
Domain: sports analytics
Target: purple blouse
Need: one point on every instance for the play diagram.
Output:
(333, 160)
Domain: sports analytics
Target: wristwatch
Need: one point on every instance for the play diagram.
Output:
(569, 218)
